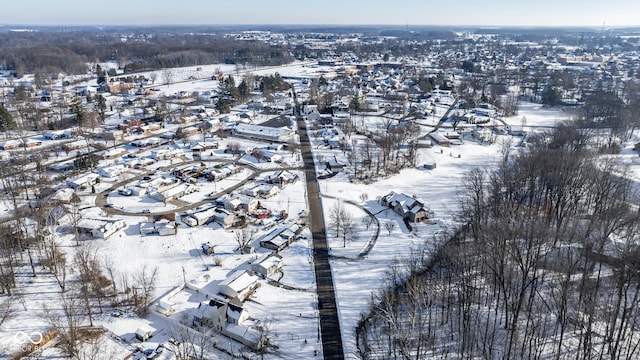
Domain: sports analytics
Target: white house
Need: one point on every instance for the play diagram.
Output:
(145, 333)
(100, 228)
(163, 228)
(240, 284)
(227, 317)
(165, 154)
(84, 181)
(174, 192)
(267, 265)
(58, 134)
(112, 171)
(263, 132)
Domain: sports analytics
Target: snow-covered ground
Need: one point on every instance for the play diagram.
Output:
(289, 312)
(533, 116)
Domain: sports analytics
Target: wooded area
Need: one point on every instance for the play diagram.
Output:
(545, 264)
(69, 52)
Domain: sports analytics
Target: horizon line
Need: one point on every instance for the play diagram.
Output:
(598, 27)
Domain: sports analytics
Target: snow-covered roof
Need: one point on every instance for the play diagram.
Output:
(239, 280)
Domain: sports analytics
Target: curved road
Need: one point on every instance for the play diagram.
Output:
(372, 241)
(329, 321)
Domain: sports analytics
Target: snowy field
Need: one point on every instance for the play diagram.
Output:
(288, 310)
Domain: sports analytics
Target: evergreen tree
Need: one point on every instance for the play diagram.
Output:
(100, 73)
(244, 91)
(101, 106)
(78, 110)
(223, 105)
(550, 96)
(355, 104)
(6, 119)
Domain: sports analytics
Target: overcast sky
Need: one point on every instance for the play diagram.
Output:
(399, 12)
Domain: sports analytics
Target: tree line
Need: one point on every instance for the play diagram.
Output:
(544, 265)
(142, 53)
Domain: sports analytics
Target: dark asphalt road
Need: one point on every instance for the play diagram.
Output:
(329, 320)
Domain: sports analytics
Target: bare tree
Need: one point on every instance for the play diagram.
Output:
(265, 343)
(153, 76)
(389, 226)
(233, 147)
(167, 76)
(189, 343)
(142, 288)
(244, 237)
(368, 221)
(348, 227)
(336, 216)
(94, 285)
(66, 323)
(56, 262)
(6, 310)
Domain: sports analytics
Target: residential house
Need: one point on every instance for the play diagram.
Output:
(281, 177)
(63, 196)
(200, 217)
(163, 227)
(57, 135)
(279, 238)
(171, 192)
(227, 317)
(75, 145)
(240, 203)
(408, 207)
(223, 172)
(111, 171)
(101, 228)
(267, 265)
(226, 219)
(114, 153)
(267, 155)
(84, 181)
(203, 148)
(263, 132)
(440, 139)
(267, 191)
(165, 154)
(10, 145)
(239, 284)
